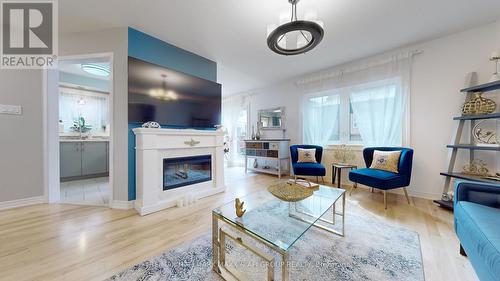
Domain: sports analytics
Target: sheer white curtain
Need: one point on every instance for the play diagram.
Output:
(235, 123)
(379, 111)
(321, 118)
(378, 91)
(74, 104)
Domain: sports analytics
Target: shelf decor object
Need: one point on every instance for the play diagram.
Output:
(476, 168)
(480, 110)
(495, 56)
(295, 37)
(483, 136)
(478, 105)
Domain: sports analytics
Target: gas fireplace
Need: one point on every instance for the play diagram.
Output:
(182, 171)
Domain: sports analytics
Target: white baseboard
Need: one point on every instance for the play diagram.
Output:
(22, 202)
(122, 205)
(423, 195)
(172, 202)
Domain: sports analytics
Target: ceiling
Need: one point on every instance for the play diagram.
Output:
(233, 32)
(74, 67)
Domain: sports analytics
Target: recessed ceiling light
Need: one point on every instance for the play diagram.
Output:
(95, 69)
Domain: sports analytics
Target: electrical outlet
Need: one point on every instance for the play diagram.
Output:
(11, 109)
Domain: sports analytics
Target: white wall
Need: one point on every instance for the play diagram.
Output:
(437, 76)
(21, 140)
(103, 41)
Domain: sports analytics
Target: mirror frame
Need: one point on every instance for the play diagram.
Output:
(282, 108)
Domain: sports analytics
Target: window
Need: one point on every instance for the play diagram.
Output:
(369, 114)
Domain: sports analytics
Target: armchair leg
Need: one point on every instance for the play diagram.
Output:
(462, 251)
(355, 185)
(317, 179)
(323, 180)
(406, 194)
(385, 199)
(372, 189)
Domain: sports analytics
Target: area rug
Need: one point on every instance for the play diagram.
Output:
(371, 250)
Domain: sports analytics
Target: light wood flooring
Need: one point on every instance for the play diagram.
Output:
(71, 242)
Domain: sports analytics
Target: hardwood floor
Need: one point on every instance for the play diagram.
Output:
(69, 242)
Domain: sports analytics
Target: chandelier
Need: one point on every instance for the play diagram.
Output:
(162, 93)
(295, 37)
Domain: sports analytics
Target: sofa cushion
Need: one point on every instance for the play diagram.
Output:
(378, 178)
(478, 227)
(309, 169)
(306, 155)
(386, 160)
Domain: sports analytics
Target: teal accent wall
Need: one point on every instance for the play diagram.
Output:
(153, 50)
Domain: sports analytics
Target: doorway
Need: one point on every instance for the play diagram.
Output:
(81, 96)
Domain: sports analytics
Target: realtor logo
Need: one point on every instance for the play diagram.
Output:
(29, 34)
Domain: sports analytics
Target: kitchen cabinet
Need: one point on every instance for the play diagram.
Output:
(94, 158)
(70, 159)
(80, 160)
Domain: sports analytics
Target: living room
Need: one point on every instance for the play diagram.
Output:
(293, 140)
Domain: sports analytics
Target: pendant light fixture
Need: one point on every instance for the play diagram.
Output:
(295, 37)
(162, 93)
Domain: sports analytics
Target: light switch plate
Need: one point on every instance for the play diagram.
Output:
(11, 109)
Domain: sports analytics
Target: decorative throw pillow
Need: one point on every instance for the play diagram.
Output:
(386, 160)
(307, 155)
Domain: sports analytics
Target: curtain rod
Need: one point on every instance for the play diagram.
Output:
(80, 88)
(335, 73)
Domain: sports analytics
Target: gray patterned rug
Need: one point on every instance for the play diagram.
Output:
(371, 250)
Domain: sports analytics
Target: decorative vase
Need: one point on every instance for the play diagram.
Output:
(257, 135)
(478, 105)
(253, 132)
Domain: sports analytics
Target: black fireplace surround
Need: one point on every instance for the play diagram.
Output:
(182, 171)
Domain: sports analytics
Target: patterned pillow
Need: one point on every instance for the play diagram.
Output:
(386, 160)
(307, 155)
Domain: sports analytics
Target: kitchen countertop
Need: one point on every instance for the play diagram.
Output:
(83, 140)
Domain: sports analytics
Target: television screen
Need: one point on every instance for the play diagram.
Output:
(171, 98)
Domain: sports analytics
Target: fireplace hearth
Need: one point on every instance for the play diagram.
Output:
(183, 171)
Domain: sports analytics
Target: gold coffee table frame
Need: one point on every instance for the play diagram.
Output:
(219, 237)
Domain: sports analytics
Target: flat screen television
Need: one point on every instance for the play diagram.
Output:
(171, 98)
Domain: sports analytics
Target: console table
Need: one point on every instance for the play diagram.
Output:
(276, 151)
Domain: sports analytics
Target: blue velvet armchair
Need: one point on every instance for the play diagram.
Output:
(477, 225)
(307, 169)
(385, 180)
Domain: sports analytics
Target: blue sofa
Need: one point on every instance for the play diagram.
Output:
(477, 224)
(385, 180)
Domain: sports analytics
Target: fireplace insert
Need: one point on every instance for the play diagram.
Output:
(182, 171)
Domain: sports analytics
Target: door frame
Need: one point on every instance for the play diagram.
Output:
(50, 82)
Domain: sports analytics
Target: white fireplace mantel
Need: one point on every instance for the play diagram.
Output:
(154, 145)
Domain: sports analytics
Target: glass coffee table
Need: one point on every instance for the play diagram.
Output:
(277, 224)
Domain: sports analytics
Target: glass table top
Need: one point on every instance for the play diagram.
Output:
(279, 222)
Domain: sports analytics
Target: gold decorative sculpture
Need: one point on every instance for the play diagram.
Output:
(238, 205)
(476, 168)
(478, 105)
(344, 154)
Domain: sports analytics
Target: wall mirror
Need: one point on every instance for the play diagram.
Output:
(272, 118)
